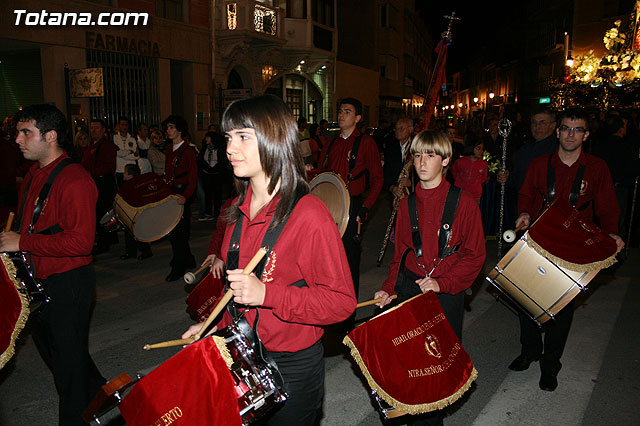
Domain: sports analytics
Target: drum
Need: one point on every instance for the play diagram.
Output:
(552, 262)
(218, 380)
(109, 222)
(26, 283)
(330, 188)
(147, 207)
(109, 397)
(254, 379)
(536, 284)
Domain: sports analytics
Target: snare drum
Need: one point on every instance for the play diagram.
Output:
(27, 284)
(535, 283)
(553, 262)
(147, 207)
(109, 222)
(218, 380)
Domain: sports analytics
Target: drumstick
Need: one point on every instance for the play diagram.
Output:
(219, 307)
(374, 301)
(190, 277)
(7, 227)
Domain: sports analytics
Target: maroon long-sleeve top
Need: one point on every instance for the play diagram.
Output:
(597, 190)
(456, 272)
(100, 159)
(310, 249)
(368, 159)
(183, 172)
(71, 205)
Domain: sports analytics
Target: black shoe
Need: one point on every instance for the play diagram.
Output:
(174, 276)
(548, 382)
(126, 256)
(144, 256)
(521, 363)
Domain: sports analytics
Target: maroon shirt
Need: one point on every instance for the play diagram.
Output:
(596, 189)
(458, 271)
(368, 159)
(469, 175)
(186, 172)
(72, 206)
(105, 162)
(308, 248)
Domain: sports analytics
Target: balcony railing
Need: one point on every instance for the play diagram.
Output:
(252, 16)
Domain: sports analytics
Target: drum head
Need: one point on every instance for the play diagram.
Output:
(330, 188)
(156, 221)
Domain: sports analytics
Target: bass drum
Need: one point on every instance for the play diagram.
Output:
(330, 188)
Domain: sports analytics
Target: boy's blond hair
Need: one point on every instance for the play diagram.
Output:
(432, 142)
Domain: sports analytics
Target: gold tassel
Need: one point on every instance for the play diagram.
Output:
(224, 351)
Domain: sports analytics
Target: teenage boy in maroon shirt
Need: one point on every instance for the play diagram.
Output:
(181, 173)
(597, 198)
(60, 248)
(431, 152)
(367, 176)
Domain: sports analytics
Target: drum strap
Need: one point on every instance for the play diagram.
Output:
(446, 222)
(353, 157)
(41, 200)
(233, 254)
(551, 184)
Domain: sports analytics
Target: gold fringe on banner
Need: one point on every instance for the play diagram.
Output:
(10, 271)
(224, 350)
(408, 409)
(577, 267)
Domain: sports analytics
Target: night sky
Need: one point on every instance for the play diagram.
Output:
(480, 25)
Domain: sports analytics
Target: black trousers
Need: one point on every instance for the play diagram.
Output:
(303, 374)
(351, 242)
(131, 245)
(179, 238)
(106, 193)
(212, 187)
(61, 332)
(453, 307)
(556, 333)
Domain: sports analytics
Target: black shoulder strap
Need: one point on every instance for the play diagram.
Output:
(551, 181)
(575, 188)
(44, 192)
(448, 215)
(325, 162)
(551, 184)
(415, 227)
(177, 163)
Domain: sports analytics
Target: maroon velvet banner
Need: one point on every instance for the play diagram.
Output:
(411, 357)
(563, 234)
(194, 387)
(144, 189)
(205, 296)
(14, 310)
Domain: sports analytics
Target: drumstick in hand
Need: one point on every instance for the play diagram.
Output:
(7, 227)
(190, 277)
(219, 307)
(374, 301)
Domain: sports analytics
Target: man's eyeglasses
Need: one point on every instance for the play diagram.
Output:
(567, 129)
(395, 129)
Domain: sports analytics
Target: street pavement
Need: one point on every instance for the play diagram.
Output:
(598, 384)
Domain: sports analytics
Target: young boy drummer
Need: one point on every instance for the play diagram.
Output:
(306, 282)
(452, 247)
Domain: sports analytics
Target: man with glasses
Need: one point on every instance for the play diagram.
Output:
(596, 198)
(395, 155)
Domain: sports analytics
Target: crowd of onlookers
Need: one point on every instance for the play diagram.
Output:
(476, 163)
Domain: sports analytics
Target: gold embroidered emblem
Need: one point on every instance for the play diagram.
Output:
(267, 276)
(432, 346)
